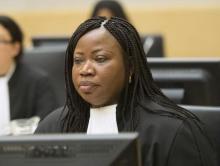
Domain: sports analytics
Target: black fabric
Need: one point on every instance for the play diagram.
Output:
(30, 93)
(210, 116)
(165, 141)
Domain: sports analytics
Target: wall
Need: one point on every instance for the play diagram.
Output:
(188, 29)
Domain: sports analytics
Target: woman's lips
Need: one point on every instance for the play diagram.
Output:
(87, 86)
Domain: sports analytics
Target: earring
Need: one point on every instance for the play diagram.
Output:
(129, 79)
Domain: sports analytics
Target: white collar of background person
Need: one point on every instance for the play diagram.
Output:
(4, 101)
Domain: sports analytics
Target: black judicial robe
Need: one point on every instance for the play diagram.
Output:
(30, 93)
(165, 141)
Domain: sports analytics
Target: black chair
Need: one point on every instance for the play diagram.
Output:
(174, 94)
(210, 115)
(153, 45)
(198, 78)
(51, 60)
(45, 41)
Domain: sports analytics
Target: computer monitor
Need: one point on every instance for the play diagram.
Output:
(70, 149)
(197, 80)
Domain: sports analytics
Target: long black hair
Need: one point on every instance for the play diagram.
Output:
(114, 6)
(140, 87)
(15, 32)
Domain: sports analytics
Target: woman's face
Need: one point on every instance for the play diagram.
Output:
(8, 50)
(98, 71)
(105, 12)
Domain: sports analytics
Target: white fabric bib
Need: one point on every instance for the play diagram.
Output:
(103, 120)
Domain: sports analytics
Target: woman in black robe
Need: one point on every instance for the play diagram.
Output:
(106, 67)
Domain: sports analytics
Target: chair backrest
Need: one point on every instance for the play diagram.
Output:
(44, 41)
(51, 60)
(175, 94)
(210, 116)
(153, 45)
(194, 76)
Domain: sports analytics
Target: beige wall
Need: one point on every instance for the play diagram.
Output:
(192, 31)
(187, 31)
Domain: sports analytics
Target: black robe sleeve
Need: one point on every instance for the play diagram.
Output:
(52, 123)
(190, 147)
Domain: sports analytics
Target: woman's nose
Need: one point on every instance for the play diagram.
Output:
(87, 69)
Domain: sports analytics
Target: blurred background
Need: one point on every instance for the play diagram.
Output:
(190, 28)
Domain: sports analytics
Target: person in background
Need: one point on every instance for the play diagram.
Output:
(109, 8)
(110, 90)
(24, 91)
(153, 44)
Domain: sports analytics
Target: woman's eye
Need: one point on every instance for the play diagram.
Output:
(77, 60)
(101, 59)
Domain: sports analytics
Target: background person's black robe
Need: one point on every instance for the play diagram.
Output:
(30, 93)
